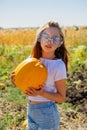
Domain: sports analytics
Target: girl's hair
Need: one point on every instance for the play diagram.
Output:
(60, 52)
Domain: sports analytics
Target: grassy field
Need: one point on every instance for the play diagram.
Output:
(15, 46)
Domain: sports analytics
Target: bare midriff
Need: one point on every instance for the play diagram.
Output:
(34, 102)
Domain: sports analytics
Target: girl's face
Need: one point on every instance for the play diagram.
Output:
(50, 39)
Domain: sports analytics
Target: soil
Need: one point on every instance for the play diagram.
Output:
(76, 119)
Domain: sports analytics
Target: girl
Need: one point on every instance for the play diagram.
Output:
(50, 48)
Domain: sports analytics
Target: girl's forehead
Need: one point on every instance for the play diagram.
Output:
(52, 31)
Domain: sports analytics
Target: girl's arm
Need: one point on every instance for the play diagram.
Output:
(60, 96)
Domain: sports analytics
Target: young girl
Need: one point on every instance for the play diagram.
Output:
(50, 48)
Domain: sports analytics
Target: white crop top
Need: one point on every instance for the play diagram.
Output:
(56, 71)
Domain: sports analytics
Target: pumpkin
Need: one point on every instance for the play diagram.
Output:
(30, 73)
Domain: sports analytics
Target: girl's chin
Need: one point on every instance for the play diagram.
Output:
(47, 50)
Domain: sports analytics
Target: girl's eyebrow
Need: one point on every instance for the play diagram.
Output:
(45, 33)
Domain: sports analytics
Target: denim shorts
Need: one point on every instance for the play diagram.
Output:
(44, 116)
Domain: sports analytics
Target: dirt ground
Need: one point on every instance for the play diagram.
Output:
(72, 120)
(76, 119)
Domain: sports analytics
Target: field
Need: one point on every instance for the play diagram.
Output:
(15, 46)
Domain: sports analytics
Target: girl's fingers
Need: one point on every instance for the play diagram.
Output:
(30, 92)
(13, 72)
(12, 76)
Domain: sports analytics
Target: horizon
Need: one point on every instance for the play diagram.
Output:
(73, 26)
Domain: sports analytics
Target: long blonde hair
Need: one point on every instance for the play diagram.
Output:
(60, 52)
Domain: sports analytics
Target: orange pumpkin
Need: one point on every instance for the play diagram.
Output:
(30, 73)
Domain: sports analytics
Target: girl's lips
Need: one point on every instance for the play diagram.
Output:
(48, 46)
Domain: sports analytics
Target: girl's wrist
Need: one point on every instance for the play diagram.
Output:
(41, 93)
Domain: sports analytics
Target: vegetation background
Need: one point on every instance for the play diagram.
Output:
(15, 46)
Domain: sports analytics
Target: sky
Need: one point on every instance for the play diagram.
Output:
(35, 13)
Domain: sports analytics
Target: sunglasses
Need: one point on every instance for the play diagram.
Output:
(56, 40)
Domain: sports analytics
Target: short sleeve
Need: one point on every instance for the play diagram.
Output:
(60, 72)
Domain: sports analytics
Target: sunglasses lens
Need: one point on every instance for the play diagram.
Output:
(55, 40)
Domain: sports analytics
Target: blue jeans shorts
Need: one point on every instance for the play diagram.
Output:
(44, 116)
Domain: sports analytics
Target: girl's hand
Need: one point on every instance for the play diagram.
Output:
(12, 77)
(34, 92)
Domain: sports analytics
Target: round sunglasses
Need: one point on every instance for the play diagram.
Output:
(56, 40)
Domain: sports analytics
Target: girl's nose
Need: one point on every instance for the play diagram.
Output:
(50, 41)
